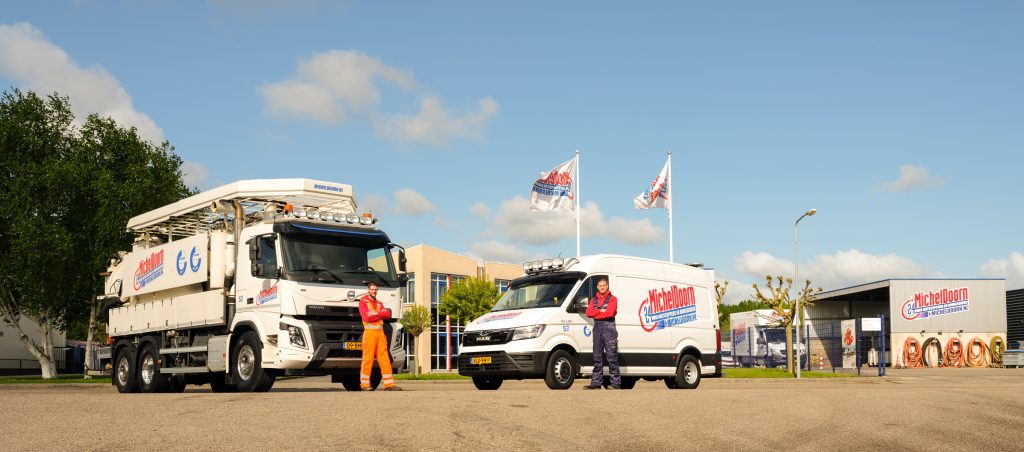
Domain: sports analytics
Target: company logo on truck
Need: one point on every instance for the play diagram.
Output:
(930, 304)
(266, 295)
(328, 188)
(193, 262)
(739, 333)
(668, 307)
(149, 269)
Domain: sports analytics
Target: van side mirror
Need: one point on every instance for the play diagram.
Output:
(401, 263)
(581, 305)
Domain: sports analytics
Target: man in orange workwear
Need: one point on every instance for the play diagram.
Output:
(375, 343)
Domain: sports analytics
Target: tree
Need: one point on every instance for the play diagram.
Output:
(720, 289)
(416, 320)
(70, 191)
(469, 299)
(781, 302)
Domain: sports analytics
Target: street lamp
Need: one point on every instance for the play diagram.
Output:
(796, 277)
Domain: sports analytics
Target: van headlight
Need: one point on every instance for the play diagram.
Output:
(296, 337)
(527, 332)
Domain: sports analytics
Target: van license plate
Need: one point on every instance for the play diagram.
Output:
(353, 346)
(480, 360)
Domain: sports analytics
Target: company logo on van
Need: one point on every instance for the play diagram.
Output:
(496, 317)
(739, 333)
(149, 269)
(668, 307)
(266, 296)
(930, 304)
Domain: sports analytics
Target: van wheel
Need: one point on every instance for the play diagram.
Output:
(561, 370)
(247, 365)
(150, 378)
(124, 371)
(651, 379)
(687, 374)
(628, 382)
(487, 383)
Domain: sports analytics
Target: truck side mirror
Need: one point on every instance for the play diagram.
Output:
(254, 249)
(403, 280)
(256, 269)
(401, 262)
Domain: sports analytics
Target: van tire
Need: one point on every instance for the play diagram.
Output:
(561, 370)
(628, 382)
(687, 374)
(247, 365)
(487, 383)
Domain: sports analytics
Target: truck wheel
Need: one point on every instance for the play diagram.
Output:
(150, 378)
(487, 383)
(176, 385)
(351, 382)
(217, 383)
(124, 371)
(561, 371)
(247, 365)
(687, 374)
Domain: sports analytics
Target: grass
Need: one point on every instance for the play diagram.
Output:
(444, 376)
(61, 379)
(755, 372)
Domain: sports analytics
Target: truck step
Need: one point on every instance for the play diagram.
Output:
(171, 351)
(183, 370)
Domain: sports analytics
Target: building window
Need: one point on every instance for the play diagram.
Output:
(502, 285)
(439, 339)
(409, 291)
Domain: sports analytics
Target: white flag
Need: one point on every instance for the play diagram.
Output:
(656, 196)
(554, 189)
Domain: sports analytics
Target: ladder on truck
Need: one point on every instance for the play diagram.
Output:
(205, 211)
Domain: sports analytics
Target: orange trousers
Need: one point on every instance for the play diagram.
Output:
(375, 344)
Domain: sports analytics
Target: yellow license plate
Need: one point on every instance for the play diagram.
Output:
(353, 346)
(480, 360)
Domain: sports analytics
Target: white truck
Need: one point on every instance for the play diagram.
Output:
(758, 339)
(667, 321)
(237, 285)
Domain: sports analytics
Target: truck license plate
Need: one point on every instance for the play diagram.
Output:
(353, 346)
(480, 360)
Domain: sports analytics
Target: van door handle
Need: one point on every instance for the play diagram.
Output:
(248, 301)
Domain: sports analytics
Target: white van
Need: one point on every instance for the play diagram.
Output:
(667, 320)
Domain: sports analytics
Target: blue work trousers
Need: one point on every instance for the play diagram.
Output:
(606, 347)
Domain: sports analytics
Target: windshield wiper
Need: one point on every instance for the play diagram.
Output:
(370, 272)
(315, 269)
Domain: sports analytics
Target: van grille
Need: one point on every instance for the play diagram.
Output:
(491, 337)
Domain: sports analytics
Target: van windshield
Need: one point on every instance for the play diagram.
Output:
(535, 294)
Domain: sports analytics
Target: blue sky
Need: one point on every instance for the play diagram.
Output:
(901, 123)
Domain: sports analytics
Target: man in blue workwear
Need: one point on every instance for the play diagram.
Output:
(602, 309)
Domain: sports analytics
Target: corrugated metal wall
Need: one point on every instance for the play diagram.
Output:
(986, 306)
(1015, 318)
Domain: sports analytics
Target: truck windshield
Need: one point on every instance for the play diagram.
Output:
(535, 294)
(775, 335)
(341, 260)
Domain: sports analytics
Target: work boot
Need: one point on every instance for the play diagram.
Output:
(366, 388)
(614, 386)
(592, 387)
(391, 388)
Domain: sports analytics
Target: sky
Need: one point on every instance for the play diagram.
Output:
(900, 122)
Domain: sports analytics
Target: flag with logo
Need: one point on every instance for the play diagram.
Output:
(554, 189)
(655, 196)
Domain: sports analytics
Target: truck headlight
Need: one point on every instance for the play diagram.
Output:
(296, 337)
(527, 332)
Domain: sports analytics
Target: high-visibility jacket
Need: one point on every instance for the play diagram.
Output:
(375, 344)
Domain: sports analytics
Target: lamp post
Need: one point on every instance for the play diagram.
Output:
(796, 278)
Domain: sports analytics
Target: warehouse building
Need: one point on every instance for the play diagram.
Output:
(1015, 318)
(925, 321)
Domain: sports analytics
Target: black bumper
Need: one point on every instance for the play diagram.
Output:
(515, 365)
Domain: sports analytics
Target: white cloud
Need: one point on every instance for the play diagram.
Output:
(194, 174)
(375, 203)
(738, 290)
(481, 210)
(1011, 268)
(494, 251)
(444, 222)
(34, 63)
(635, 232)
(340, 85)
(845, 268)
(411, 203)
(912, 177)
(520, 223)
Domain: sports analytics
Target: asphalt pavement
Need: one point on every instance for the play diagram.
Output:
(932, 409)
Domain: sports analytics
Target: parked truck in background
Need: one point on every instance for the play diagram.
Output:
(758, 339)
(240, 284)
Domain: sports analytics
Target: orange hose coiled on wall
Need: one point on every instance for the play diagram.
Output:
(979, 359)
(954, 353)
(912, 354)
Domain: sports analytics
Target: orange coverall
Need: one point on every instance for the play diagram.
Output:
(374, 342)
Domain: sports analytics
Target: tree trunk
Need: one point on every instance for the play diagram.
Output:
(89, 338)
(415, 351)
(789, 349)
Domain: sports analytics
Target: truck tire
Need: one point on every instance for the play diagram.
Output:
(687, 374)
(247, 365)
(150, 379)
(124, 371)
(561, 370)
(351, 382)
(176, 385)
(487, 383)
(217, 383)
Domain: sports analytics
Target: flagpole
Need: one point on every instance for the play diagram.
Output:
(578, 211)
(671, 247)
